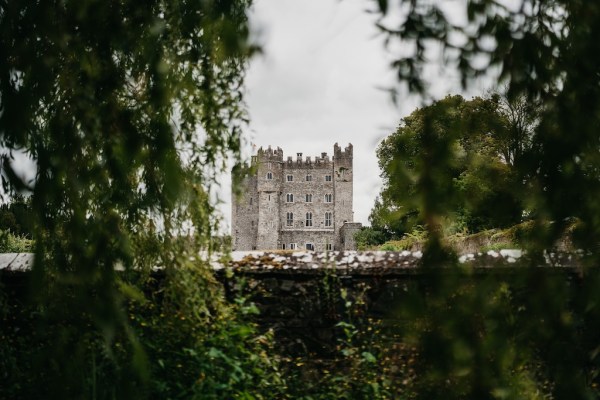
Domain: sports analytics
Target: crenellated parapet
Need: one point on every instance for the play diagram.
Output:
(269, 155)
(340, 154)
(323, 161)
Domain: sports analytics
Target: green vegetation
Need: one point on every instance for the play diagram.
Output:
(129, 112)
(10, 243)
(544, 57)
(477, 175)
(491, 239)
(527, 337)
(15, 216)
(15, 225)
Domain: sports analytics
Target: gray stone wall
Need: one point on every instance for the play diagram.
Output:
(343, 179)
(347, 235)
(318, 238)
(309, 187)
(299, 294)
(269, 176)
(244, 216)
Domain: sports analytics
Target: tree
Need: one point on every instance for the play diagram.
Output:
(478, 186)
(128, 111)
(14, 216)
(546, 54)
(522, 118)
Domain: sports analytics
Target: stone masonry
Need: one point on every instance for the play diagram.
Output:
(296, 203)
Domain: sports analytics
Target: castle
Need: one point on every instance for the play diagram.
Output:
(300, 204)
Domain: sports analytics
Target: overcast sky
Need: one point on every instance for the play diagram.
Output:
(320, 81)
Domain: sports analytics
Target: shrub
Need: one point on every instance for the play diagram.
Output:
(10, 243)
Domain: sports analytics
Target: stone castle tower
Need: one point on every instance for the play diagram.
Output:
(296, 203)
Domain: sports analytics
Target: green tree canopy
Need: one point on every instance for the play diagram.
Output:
(464, 148)
(128, 110)
(545, 54)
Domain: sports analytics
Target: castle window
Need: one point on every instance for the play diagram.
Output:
(283, 246)
(327, 178)
(308, 178)
(290, 178)
(269, 197)
(289, 198)
(269, 176)
(250, 200)
(327, 219)
(290, 219)
(292, 246)
(308, 219)
(309, 198)
(310, 246)
(328, 198)
(328, 247)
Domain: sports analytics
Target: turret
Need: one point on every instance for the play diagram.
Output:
(269, 179)
(343, 182)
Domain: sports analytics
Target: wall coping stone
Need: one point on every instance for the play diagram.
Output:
(376, 263)
(354, 263)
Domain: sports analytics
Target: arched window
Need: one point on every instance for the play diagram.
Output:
(327, 219)
(269, 176)
(308, 219)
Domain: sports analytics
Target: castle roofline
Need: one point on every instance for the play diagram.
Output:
(270, 155)
(339, 153)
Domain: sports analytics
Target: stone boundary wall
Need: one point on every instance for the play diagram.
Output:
(303, 296)
(353, 263)
(366, 263)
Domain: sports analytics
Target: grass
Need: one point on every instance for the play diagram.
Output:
(492, 239)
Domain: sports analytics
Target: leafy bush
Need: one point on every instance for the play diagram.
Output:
(186, 343)
(10, 243)
(128, 123)
(368, 238)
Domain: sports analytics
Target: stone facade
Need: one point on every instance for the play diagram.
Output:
(296, 203)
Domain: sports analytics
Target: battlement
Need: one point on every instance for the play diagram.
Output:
(269, 155)
(321, 161)
(338, 154)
